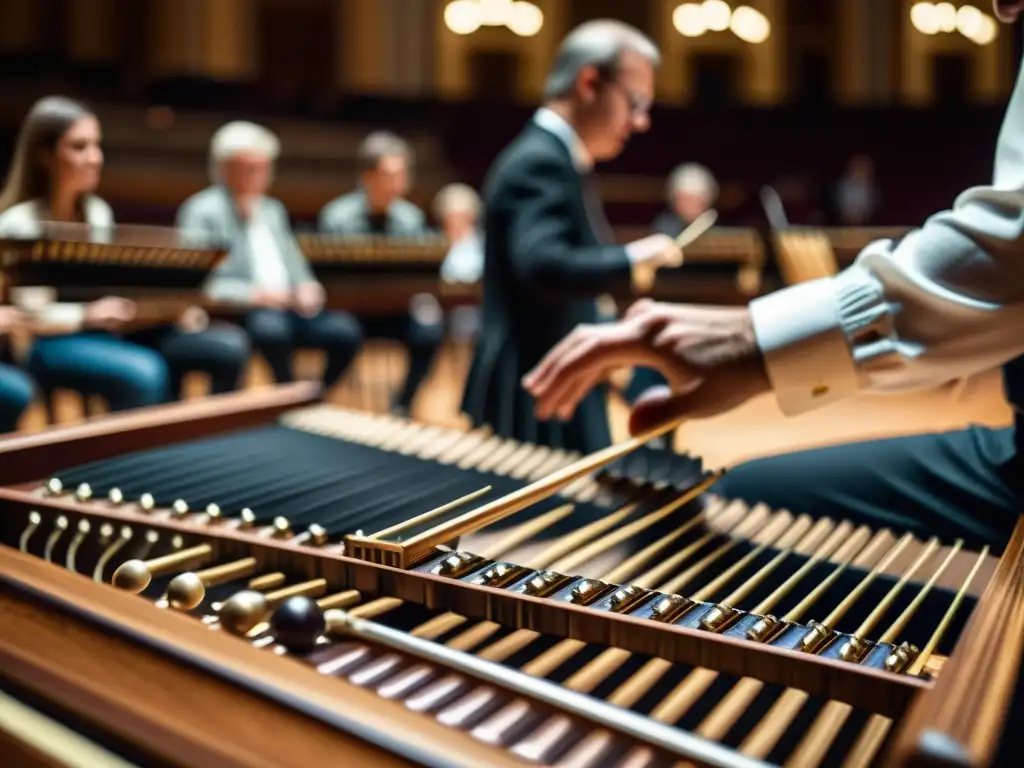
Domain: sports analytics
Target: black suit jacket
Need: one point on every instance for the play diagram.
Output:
(544, 267)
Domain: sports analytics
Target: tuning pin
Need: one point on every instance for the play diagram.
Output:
(317, 535)
(83, 492)
(146, 502)
(179, 508)
(282, 528)
(54, 487)
(213, 511)
(297, 624)
(115, 497)
(246, 518)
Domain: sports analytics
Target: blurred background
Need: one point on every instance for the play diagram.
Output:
(901, 100)
(858, 113)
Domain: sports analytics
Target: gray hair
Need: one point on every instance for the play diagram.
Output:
(239, 137)
(456, 197)
(694, 179)
(377, 146)
(599, 43)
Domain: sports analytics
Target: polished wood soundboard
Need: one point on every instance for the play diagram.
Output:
(512, 643)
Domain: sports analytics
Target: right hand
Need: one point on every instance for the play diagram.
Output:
(271, 299)
(648, 255)
(709, 355)
(10, 318)
(657, 251)
(109, 313)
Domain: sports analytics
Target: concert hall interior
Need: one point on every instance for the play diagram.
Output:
(283, 282)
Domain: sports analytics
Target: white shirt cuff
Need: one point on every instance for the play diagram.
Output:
(807, 356)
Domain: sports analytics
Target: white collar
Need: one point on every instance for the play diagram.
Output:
(554, 123)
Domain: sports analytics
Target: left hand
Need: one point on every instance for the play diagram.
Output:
(708, 354)
(309, 299)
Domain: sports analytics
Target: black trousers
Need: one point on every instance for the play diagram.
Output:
(966, 484)
(277, 334)
(221, 351)
(420, 338)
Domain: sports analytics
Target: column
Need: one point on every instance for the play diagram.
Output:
(92, 35)
(203, 38)
(535, 53)
(855, 71)
(365, 48)
(765, 81)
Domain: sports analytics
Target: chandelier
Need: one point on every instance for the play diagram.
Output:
(464, 17)
(696, 19)
(936, 18)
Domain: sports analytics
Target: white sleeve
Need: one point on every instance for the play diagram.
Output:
(945, 302)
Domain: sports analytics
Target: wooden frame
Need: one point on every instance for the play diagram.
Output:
(980, 675)
(196, 697)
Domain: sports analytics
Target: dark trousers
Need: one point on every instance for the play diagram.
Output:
(221, 351)
(126, 375)
(16, 394)
(277, 334)
(965, 484)
(421, 339)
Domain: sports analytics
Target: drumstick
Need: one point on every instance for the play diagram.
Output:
(697, 227)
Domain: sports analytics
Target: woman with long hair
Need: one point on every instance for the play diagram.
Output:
(53, 179)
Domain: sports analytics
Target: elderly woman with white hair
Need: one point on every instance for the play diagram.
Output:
(265, 270)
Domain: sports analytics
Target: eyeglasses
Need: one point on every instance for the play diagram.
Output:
(639, 106)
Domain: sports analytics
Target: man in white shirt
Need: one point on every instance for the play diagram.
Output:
(945, 302)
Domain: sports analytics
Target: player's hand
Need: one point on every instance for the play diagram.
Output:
(194, 320)
(10, 318)
(708, 355)
(109, 313)
(271, 299)
(648, 255)
(657, 251)
(309, 299)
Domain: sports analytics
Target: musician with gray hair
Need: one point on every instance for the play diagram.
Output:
(265, 270)
(549, 251)
(691, 190)
(378, 206)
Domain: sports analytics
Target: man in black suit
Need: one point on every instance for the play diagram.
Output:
(548, 249)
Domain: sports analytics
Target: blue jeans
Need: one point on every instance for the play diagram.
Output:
(126, 375)
(16, 393)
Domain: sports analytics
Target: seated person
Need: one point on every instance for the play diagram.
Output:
(265, 270)
(378, 207)
(16, 388)
(54, 172)
(691, 191)
(53, 178)
(457, 208)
